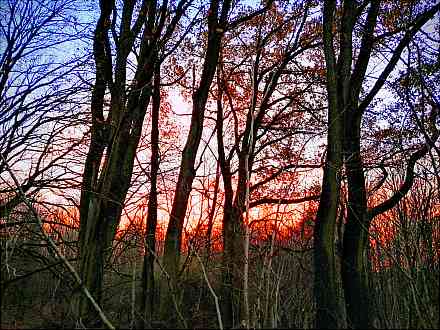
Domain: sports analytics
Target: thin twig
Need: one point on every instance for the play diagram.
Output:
(217, 306)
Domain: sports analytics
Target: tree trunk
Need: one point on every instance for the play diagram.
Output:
(329, 311)
(231, 271)
(105, 186)
(211, 214)
(326, 285)
(355, 245)
(229, 229)
(171, 261)
(148, 284)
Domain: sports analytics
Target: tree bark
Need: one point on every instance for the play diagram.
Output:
(354, 265)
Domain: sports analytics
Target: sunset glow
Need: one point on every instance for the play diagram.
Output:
(219, 164)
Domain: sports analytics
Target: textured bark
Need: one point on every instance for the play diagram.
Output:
(354, 259)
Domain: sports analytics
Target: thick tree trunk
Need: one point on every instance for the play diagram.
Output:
(238, 237)
(354, 264)
(104, 211)
(326, 284)
(95, 248)
(231, 270)
(355, 272)
(329, 311)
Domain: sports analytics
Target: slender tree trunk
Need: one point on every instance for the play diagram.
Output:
(173, 240)
(229, 229)
(229, 275)
(148, 283)
(211, 214)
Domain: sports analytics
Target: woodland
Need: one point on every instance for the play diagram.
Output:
(220, 164)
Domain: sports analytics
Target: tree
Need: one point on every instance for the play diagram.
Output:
(217, 24)
(148, 284)
(258, 79)
(347, 104)
(43, 73)
(145, 30)
(325, 284)
(40, 94)
(258, 101)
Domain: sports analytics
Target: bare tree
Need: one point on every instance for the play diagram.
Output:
(217, 24)
(347, 102)
(41, 95)
(124, 33)
(270, 95)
